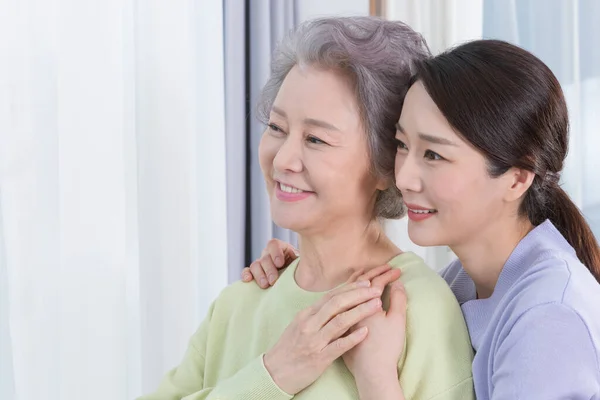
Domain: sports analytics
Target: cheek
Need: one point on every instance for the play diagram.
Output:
(448, 189)
(357, 176)
(463, 192)
(344, 174)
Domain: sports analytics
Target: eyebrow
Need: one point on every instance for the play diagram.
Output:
(430, 138)
(308, 121)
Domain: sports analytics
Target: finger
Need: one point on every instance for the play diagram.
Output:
(386, 278)
(342, 289)
(269, 268)
(341, 323)
(274, 250)
(289, 254)
(372, 273)
(259, 274)
(354, 277)
(343, 302)
(282, 253)
(340, 346)
(398, 299)
(246, 275)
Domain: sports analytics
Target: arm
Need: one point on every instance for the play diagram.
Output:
(548, 354)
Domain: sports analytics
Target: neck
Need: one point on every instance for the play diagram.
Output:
(483, 258)
(329, 259)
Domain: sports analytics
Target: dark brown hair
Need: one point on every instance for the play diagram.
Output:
(509, 105)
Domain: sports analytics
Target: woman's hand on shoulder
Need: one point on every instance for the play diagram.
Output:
(265, 271)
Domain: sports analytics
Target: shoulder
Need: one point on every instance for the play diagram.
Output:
(437, 339)
(553, 330)
(425, 289)
(238, 301)
(432, 309)
(451, 271)
(549, 344)
(554, 277)
(550, 317)
(239, 292)
(238, 298)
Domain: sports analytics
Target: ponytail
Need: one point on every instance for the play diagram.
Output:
(567, 218)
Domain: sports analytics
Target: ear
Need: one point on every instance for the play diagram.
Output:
(383, 184)
(519, 181)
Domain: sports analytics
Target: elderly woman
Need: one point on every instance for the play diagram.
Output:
(327, 154)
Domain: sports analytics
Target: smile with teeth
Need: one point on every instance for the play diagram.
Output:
(422, 211)
(289, 189)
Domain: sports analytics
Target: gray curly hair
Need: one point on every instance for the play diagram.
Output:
(377, 55)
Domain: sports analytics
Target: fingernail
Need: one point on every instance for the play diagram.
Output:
(263, 282)
(278, 261)
(297, 253)
(272, 279)
(245, 277)
(363, 330)
(363, 283)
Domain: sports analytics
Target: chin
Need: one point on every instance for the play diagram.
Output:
(292, 222)
(424, 237)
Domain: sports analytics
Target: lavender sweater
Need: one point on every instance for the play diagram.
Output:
(538, 335)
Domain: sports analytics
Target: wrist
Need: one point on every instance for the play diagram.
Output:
(375, 377)
(284, 374)
(272, 370)
(384, 389)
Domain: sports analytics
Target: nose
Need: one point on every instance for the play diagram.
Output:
(407, 172)
(289, 155)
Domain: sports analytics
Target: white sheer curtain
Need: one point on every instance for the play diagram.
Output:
(443, 24)
(564, 34)
(112, 191)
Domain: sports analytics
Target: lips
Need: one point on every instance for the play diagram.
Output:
(419, 209)
(419, 213)
(289, 188)
(288, 193)
(422, 211)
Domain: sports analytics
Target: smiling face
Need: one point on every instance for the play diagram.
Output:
(314, 154)
(444, 180)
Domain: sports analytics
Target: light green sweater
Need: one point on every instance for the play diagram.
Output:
(224, 358)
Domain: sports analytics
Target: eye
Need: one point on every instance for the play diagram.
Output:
(400, 144)
(432, 155)
(314, 140)
(274, 128)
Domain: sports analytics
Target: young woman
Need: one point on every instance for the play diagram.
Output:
(481, 142)
(327, 155)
